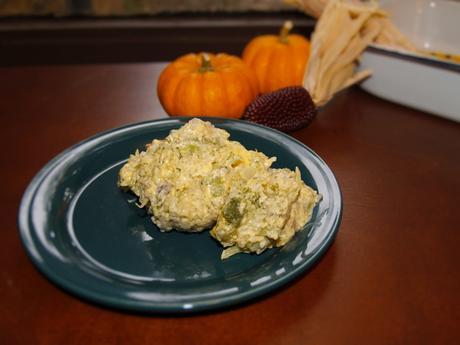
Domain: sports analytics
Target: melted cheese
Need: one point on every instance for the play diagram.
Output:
(196, 178)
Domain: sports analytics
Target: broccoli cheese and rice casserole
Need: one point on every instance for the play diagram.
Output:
(196, 179)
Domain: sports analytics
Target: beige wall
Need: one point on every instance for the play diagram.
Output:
(131, 7)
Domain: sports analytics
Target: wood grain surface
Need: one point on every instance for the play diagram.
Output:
(391, 277)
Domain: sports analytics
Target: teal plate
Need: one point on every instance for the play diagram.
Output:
(86, 235)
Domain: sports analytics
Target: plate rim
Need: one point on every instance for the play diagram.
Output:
(25, 229)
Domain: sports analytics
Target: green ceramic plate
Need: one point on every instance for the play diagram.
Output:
(86, 235)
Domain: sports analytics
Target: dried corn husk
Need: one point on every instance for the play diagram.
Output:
(343, 30)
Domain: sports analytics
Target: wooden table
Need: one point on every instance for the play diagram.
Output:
(391, 277)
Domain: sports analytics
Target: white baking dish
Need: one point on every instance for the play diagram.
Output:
(425, 83)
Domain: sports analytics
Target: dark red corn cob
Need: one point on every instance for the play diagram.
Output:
(286, 109)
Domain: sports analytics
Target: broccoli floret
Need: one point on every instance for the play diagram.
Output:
(232, 212)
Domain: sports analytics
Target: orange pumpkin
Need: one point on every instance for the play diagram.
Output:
(207, 85)
(279, 61)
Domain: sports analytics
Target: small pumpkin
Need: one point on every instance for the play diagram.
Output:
(207, 85)
(278, 61)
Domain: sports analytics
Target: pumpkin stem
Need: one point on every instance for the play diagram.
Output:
(284, 32)
(206, 65)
